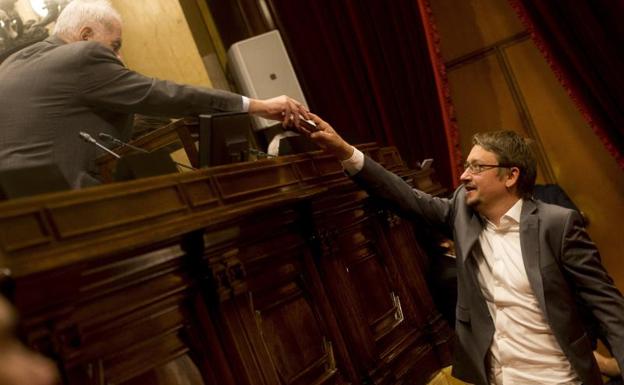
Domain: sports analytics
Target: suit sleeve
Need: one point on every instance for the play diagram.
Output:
(106, 83)
(401, 197)
(581, 260)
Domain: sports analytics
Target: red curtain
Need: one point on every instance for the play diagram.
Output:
(368, 67)
(583, 41)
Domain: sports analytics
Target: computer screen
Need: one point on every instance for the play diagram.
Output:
(225, 138)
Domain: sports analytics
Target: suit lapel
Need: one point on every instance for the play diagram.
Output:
(467, 238)
(529, 245)
(469, 235)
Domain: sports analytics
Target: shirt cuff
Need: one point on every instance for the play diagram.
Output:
(355, 163)
(245, 104)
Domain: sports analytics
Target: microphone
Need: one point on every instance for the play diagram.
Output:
(111, 138)
(89, 139)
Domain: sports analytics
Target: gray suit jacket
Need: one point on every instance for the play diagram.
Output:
(51, 90)
(560, 260)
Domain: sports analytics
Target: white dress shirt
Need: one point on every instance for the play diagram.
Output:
(355, 163)
(246, 102)
(524, 350)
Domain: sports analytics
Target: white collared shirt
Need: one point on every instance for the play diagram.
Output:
(355, 163)
(524, 349)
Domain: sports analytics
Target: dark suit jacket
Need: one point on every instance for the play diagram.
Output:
(560, 260)
(51, 90)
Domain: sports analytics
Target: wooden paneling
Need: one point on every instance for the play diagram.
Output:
(466, 26)
(118, 318)
(482, 100)
(279, 271)
(379, 315)
(157, 41)
(577, 156)
(274, 301)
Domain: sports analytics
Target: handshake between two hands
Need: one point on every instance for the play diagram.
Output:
(323, 134)
(296, 116)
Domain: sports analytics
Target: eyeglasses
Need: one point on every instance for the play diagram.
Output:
(475, 168)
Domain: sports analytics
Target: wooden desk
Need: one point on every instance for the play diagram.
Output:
(173, 136)
(278, 271)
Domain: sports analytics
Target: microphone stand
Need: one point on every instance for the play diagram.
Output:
(107, 150)
(124, 144)
(139, 149)
(89, 139)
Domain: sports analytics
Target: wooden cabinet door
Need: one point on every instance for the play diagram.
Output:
(385, 329)
(405, 261)
(136, 318)
(190, 279)
(272, 312)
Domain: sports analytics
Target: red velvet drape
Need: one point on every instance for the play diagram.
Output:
(583, 41)
(367, 67)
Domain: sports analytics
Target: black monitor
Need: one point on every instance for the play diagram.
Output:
(224, 138)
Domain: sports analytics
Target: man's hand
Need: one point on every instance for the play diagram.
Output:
(328, 139)
(18, 365)
(281, 108)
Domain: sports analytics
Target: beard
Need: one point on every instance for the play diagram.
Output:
(471, 198)
(474, 203)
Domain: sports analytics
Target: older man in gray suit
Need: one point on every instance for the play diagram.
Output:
(75, 81)
(521, 265)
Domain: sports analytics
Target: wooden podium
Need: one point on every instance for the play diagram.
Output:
(279, 271)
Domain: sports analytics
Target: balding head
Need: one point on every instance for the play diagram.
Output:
(79, 13)
(95, 20)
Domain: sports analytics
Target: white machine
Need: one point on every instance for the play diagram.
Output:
(262, 69)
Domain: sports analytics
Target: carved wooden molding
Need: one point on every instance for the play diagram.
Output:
(264, 257)
(51, 230)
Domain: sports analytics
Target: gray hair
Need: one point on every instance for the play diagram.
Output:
(79, 13)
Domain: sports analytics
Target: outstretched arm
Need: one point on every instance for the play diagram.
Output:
(380, 182)
(106, 83)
